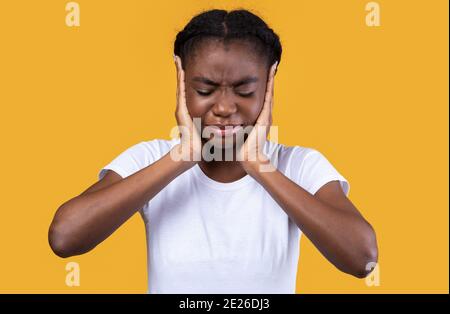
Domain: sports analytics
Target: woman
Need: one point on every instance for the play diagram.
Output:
(221, 225)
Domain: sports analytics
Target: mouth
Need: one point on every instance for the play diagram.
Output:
(224, 130)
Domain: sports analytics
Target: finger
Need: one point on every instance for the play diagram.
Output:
(267, 106)
(271, 100)
(177, 110)
(183, 105)
(181, 96)
(178, 80)
(271, 82)
(181, 111)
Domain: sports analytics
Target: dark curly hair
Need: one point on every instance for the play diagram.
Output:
(227, 26)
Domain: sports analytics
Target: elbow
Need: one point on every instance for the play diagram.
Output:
(58, 242)
(368, 257)
(368, 265)
(59, 239)
(60, 250)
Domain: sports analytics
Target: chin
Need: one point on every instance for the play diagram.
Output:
(235, 140)
(222, 143)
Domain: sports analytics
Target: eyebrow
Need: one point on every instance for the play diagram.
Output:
(245, 80)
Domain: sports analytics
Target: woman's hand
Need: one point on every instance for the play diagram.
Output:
(251, 154)
(190, 146)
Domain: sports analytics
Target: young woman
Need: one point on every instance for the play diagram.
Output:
(222, 226)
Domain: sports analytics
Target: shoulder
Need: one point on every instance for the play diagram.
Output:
(157, 147)
(138, 156)
(299, 157)
(306, 166)
(286, 153)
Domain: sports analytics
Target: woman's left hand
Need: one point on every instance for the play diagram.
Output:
(251, 154)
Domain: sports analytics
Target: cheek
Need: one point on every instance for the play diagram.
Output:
(250, 110)
(196, 106)
(255, 107)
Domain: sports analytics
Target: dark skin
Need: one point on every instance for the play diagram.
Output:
(328, 218)
(216, 75)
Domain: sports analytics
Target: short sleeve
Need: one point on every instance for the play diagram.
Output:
(132, 159)
(316, 170)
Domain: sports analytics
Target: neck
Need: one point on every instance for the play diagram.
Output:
(223, 171)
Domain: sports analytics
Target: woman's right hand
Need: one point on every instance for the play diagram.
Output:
(190, 146)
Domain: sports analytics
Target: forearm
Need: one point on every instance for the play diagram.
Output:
(343, 237)
(86, 220)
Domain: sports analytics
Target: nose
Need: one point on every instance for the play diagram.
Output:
(224, 105)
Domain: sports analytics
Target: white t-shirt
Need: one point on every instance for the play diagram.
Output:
(204, 236)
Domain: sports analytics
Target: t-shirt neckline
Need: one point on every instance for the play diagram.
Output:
(221, 185)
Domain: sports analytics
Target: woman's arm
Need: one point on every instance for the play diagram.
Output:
(327, 218)
(83, 222)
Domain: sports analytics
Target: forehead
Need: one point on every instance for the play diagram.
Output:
(219, 62)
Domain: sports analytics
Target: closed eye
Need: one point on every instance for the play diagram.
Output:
(203, 93)
(246, 94)
(207, 93)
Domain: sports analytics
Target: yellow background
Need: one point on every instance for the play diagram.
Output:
(373, 100)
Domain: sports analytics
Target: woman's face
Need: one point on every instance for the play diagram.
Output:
(225, 85)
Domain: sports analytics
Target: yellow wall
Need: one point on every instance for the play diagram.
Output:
(374, 100)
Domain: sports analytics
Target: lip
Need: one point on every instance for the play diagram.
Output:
(224, 129)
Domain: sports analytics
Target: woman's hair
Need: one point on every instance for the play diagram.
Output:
(228, 26)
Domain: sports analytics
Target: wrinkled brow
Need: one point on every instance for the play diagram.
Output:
(245, 80)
